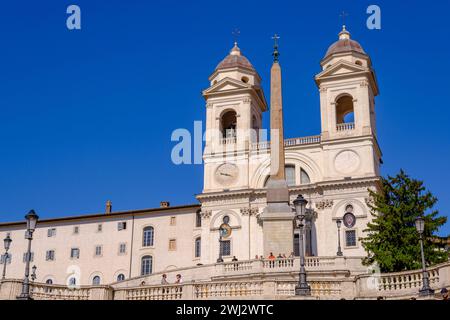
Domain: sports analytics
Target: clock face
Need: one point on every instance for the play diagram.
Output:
(349, 220)
(347, 162)
(226, 174)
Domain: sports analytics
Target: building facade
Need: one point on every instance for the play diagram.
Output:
(333, 171)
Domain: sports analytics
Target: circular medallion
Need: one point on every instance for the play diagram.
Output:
(349, 220)
(226, 174)
(225, 230)
(346, 162)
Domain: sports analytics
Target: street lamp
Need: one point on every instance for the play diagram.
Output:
(302, 288)
(31, 219)
(7, 242)
(339, 251)
(426, 290)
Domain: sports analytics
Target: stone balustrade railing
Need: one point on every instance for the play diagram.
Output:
(41, 291)
(254, 279)
(229, 140)
(287, 142)
(400, 284)
(345, 126)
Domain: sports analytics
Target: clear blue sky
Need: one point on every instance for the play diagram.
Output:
(87, 115)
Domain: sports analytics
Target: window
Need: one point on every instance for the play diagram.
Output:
(350, 238)
(51, 232)
(25, 257)
(96, 281)
(50, 255)
(146, 265)
(228, 124)
(120, 277)
(296, 244)
(72, 281)
(173, 221)
(122, 248)
(304, 178)
(225, 247)
(98, 250)
(49, 282)
(198, 219)
(198, 247)
(172, 244)
(99, 228)
(290, 174)
(76, 230)
(344, 110)
(74, 253)
(6, 257)
(121, 226)
(147, 237)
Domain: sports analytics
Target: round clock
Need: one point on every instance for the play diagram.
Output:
(226, 174)
(349, 220)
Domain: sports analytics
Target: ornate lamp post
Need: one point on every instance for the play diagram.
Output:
(426, 290)
(339, 251)
(7, 242)
(302, 288)
(32, 219)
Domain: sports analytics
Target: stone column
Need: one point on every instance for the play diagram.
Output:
(277, 217)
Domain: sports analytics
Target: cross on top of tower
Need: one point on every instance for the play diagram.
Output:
(275, 53)
(236, 33)
(343, 15)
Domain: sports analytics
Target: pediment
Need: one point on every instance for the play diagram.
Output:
(340, 68)
(227, 84)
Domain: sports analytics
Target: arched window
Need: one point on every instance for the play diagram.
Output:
(72, 281)
(290, 174)
(255, 132)
(49, 282)
(146, 265)
(198, 247)
(344, 110)
(96, 280)
(228, 124)
(289, 171)
(198, 219)
(304, 178)
(147, 238)
(120, 277)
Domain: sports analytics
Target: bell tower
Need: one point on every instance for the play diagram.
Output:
(348, 88)
(234, 105)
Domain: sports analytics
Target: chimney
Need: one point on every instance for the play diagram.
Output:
(108, 206)
(164, 204)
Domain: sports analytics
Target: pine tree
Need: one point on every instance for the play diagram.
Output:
(392, 240)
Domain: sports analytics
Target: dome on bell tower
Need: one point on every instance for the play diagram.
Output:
(344, 45)
(235, 59)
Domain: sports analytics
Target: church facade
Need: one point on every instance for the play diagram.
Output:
(333, 171)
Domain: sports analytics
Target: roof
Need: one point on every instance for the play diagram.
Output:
(235, 59)
(105, 215)
(344, 44)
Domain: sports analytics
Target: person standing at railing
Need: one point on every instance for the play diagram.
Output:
(272, 260)
(236, 266)
(164, 279)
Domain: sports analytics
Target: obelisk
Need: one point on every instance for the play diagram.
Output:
(277, 217)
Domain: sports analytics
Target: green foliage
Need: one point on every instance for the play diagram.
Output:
(392, 240)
